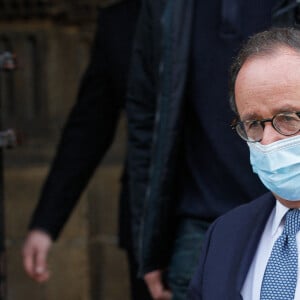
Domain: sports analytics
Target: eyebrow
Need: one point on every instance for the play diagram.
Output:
(255, 116)
(250, 116)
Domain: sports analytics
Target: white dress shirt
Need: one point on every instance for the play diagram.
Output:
(273, 229)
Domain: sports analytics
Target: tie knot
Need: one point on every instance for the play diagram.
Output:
(292, 222)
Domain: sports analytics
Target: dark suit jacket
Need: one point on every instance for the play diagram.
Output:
(228, 251)
(91, 125)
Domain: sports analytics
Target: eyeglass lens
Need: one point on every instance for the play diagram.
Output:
(285, 123)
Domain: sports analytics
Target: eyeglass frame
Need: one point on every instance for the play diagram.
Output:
(235, 122)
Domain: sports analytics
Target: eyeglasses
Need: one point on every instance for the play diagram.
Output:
(286, 123)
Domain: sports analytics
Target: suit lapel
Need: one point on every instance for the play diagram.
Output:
(254, 229)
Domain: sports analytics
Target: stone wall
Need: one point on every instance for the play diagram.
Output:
(52, 47)
(86, 263)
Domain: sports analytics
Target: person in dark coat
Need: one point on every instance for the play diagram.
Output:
(87, 136)
(252, 251)
(186, 166)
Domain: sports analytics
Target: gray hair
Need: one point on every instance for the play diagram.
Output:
(261, 44)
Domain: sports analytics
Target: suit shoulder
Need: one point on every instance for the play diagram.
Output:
(253, 209)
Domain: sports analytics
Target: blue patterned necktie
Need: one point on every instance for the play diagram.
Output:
(280, 278)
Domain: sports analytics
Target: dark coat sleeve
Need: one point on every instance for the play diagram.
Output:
(140, 107)
(91, 125)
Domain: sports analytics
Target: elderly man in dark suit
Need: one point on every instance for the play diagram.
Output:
(182, 157)
(252, 251)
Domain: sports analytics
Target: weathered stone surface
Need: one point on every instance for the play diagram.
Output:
(86, 263)
(69, 257)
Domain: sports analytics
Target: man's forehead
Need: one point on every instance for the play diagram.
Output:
(269, 84)
(265, 69)
(278, 54)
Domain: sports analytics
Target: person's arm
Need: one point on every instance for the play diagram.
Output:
(87, 135)
(141, 112)
(140, 108)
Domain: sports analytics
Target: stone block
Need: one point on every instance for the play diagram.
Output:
(109, 271)
(68, 259)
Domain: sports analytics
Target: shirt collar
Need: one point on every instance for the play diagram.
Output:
(280, 211)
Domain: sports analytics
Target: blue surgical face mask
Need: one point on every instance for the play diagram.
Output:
(278, 166)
